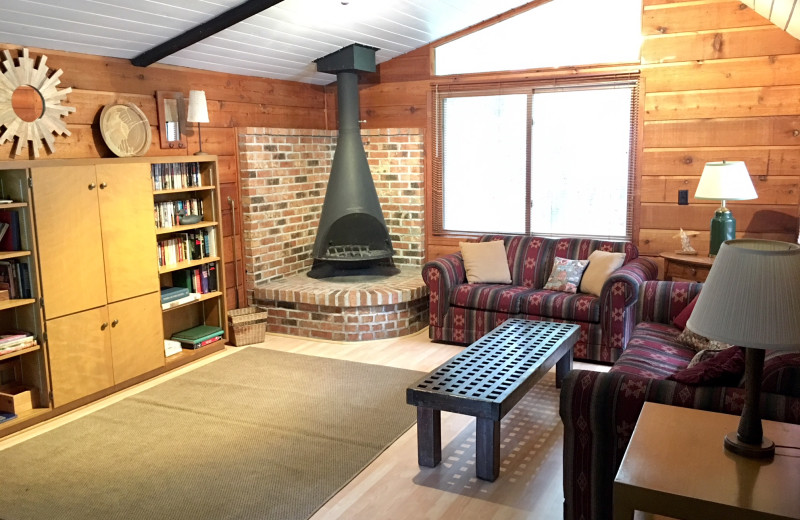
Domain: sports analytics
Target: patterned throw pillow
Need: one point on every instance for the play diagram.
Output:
(566, 275)
(697, 342)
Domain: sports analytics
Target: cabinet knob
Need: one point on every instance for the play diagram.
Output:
(104, 326)
(103, 185)
(115, 323)
(92, 186)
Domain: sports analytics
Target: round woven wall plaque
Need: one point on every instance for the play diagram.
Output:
(125, 129)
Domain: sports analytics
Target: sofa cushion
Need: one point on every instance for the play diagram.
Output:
(485, 262)
(725, 368)
(654, 352)
(601, 265)
(566, 275)
(683, 316)
(560, 305)
(487, 297)
(530, 258)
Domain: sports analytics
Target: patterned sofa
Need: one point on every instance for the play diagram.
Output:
(600, 410)
(461, 312)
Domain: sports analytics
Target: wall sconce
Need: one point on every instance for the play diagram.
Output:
(198, 113)
(171, 121)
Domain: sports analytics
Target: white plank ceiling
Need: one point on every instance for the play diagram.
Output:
(280, 42)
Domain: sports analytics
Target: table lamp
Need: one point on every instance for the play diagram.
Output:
(198, 113)
(751, 298)
(726, 180)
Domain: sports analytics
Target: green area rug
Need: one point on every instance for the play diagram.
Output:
(258, 434)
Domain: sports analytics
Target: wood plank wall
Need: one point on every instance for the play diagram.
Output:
(233, 101)
(720, 82)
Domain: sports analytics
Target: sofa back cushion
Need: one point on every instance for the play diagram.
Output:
(530, 258)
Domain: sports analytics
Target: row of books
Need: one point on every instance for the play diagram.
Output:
(199, 336)
(169, 176)
(15, 280)
(10, 238)
(201, 279)
(13, 340)
(193, 245)
(166, 213)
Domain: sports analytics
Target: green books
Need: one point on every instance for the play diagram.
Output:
(197, 334)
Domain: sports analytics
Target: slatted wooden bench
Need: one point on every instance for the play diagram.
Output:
(486, 380)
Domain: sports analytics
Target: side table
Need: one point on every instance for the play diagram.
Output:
(676, 466)
(686, 267)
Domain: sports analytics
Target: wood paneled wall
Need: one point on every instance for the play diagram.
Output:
(720, 82)
(233, 101)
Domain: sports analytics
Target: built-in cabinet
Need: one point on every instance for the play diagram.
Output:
(92, 244)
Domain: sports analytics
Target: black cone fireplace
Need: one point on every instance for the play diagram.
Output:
(352, 238)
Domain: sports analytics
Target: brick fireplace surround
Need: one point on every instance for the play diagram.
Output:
(284, 173)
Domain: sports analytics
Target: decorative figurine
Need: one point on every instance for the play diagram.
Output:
(687, 248)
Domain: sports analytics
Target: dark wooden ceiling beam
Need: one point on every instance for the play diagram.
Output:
(203, 31)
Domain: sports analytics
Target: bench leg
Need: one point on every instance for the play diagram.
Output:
(487, 449)
(429, 436)
(563, 366)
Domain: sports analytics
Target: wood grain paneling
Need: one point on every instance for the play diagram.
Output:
(725, 43)
(699, 16)
(771, 190)
(743, 131)
(734, 102)
(755, 71)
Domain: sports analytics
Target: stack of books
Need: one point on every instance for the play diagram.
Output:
(199, 336)
(13, 340)
(174, 296)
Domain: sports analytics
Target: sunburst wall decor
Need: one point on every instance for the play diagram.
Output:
(22, 73)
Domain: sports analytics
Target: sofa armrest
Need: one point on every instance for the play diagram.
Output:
(599, 411)
(620, 292)
(441, 275)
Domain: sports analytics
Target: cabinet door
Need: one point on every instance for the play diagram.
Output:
(68, 239)
(137, 339)
(128, 230)
(80, 355)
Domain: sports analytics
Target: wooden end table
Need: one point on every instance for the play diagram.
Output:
(694, 268)
(675, 465)
(485, 381)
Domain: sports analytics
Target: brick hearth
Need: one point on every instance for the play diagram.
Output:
(346, 310)
(284, 174)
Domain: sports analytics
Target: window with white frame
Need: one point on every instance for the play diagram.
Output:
(550, 161)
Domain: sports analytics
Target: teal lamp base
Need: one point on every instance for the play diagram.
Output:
(723, 227)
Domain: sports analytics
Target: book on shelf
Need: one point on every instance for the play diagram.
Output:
(19, 346)
(169, 176)
(212, 276)
(15, 277)
(7, 416)
(208, 341)
(169, 294)
(198, 334)
(11, 240)
(3, 229)
(180, 301)
(172, 347)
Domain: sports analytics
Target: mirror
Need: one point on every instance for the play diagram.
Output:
(171, 119)
(30, 103)
(27, 103)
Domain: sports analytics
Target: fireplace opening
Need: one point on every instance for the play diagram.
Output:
(352, 237)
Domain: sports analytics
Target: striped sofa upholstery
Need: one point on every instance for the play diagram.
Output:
(600, 410)
(461, 312)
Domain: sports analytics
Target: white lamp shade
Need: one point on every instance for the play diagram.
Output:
(751, 297)
(726, 180)
(198, 108)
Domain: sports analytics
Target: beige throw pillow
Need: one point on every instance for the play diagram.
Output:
(601, 265)
(485, 262)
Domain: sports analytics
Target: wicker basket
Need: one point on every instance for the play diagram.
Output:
(247, 326)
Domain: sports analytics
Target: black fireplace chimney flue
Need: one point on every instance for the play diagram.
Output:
(352, 237)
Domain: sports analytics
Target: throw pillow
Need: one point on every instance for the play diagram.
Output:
(683, 316)
(601, 265)
(485, 262)
(725, 368)
(697, 342)
(566, 275)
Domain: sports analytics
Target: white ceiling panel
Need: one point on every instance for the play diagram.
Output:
(281, 42)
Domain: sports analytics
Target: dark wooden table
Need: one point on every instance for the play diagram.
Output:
(485, 381)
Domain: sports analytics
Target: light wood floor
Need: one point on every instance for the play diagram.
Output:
(394, 486)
